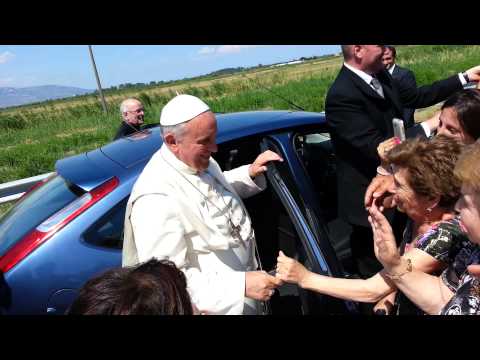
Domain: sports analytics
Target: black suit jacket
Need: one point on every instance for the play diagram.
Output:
(360, 120)
(406, 78)
(126, 129)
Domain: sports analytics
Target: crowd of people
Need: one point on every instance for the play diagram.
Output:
(413, 205)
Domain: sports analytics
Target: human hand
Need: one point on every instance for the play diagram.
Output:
(474, 73)
(380, 186)
(259, 165)
(434, 122)
(384, 243)
(290, 270)
(260, 286)
(385, 146)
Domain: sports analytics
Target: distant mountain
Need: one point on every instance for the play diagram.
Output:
(10, 96)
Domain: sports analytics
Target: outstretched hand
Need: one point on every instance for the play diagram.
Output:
(259, 165)
(290, 270)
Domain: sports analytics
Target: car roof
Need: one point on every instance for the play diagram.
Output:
(132, 151)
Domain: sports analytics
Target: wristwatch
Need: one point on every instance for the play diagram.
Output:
(465, 76)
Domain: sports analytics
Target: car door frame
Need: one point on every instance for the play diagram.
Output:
(310, 227)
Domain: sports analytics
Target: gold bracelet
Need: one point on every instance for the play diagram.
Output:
(398, 276)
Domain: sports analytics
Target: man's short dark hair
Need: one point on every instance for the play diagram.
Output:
(347, 51)
(152, 288)
(392, 49)
(466, 104)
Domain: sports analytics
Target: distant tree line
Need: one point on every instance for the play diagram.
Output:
(221, 72)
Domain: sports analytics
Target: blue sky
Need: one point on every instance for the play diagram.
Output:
(69, 65)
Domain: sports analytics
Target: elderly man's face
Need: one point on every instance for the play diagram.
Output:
(198, 142)
(388, 59)
(134, 113)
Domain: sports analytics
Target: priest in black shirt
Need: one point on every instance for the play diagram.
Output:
(132, 111)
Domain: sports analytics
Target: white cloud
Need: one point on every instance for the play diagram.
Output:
(206, 50)
(6, 56)
(229, 49)
(225, 49)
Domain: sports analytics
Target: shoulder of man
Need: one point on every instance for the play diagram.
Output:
(155, 175)
(404, 71)
(342, 85)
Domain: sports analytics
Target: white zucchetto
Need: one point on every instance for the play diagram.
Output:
(182, 108)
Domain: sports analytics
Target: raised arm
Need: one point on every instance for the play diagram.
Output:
(428, 292)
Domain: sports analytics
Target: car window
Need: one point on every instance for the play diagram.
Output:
(287, 185)
(107, 232)
(34, 208)
(317, 156)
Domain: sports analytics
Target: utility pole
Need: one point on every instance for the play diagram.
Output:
(104, 104)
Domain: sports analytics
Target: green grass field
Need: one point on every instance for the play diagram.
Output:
(34, 137)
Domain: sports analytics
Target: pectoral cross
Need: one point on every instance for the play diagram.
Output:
(235, 230)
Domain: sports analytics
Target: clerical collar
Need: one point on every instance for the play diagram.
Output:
(365, 77)
(175, 162)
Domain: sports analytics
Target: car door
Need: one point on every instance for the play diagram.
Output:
(292, 185)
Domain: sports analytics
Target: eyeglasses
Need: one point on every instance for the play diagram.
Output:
(138, 111)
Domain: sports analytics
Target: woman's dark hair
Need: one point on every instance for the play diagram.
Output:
(152, 288)
(466, 104)
(430, 165)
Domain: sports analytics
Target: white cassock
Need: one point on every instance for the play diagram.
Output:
(169, 217)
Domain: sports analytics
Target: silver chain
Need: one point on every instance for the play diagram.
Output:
(265, 304)
(229, 218)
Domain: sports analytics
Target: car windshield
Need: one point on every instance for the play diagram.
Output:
(37, 206)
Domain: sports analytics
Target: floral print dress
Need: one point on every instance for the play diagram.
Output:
(443, 241)
(466, 287)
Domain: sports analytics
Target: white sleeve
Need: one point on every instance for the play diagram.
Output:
(243, 183)
(216, 293)
(158, 230)
(160, 233)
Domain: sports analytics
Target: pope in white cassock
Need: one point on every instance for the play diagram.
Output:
(184, 208)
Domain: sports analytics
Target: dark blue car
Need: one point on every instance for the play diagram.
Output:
(69, 227)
